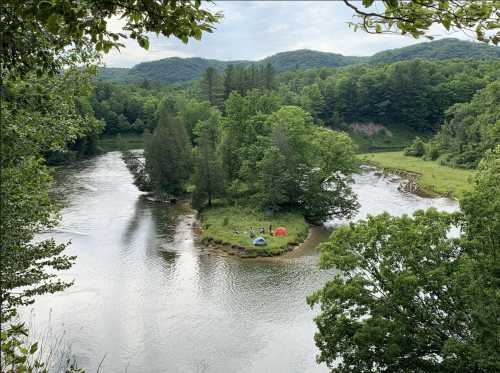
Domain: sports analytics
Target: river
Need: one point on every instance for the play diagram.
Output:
(147, 298)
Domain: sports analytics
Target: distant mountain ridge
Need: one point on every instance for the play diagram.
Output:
(176, 69)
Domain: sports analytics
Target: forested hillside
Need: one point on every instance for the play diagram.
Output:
(306, 59)
(175, 69)
(382, 106)
(438, 50)
(167, 70)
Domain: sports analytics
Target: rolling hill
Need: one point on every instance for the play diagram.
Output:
(175, 69)
(438, 50)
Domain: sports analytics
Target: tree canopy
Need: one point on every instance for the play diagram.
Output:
(471, 128)
(36, 35)
(408, 297)
(417, 17)
(38, 115)
(46, 49)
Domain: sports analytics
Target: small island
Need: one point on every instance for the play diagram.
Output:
(253, 168)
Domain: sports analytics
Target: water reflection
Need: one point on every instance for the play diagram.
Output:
(151, 299)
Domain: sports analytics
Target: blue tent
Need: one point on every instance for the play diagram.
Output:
(260, 241)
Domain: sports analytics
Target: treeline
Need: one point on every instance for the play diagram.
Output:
(177, 70)
(470, 130)
(215, 87)
(126, 107)
(416, 96)
(410, 94)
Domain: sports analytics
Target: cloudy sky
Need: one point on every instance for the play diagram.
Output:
(252, 30)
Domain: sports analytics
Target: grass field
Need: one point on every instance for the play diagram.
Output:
(433, 177)
(232, 225)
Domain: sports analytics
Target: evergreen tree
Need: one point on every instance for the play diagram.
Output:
(168, 153)
(268, 76)
(229, 81)
(212, 87)
(208, 175)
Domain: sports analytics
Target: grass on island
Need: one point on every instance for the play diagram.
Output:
(434, 177)
(232, 225)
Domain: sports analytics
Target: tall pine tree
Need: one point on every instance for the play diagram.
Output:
(168, 153)
(212, 87)
(268, 76)
(208, 175)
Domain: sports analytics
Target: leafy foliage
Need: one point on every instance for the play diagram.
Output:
(441, 49)
(21, 355)
(36, 35)
(471, 129)
(416, 149)
(212, 87)
(412, 94)
(289, 164)
(208, 175)
(408, 296)
(417, 17)
(307, 59)
(38, 115)
(125, 108)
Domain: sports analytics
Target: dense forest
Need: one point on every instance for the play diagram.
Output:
(253, 134)
(408, 97)
(175, 69)
(274, 135)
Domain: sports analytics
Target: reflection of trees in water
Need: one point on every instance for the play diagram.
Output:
(71, 179)
(152, 225)
(164, 219)
(133, 223)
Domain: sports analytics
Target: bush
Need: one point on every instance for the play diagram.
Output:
(416, 149)
(19, 354)
(431, 151)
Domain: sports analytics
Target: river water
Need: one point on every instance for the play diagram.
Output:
(147, 298)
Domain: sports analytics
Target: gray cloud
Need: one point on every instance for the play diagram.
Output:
(253, 30)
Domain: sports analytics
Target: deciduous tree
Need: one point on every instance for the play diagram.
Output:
(417, 17)
(408, 297)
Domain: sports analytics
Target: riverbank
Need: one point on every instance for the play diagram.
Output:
(228, 229)
(427, 178)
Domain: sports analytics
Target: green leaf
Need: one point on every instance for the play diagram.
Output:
(34, 348)
(447, 23)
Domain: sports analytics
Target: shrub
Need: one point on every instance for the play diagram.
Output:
(431, 151)
(416, 149)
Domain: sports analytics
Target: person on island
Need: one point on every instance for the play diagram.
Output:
(270, 229)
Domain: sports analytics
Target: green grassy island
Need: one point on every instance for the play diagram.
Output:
(228, 228)
(432, 177)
